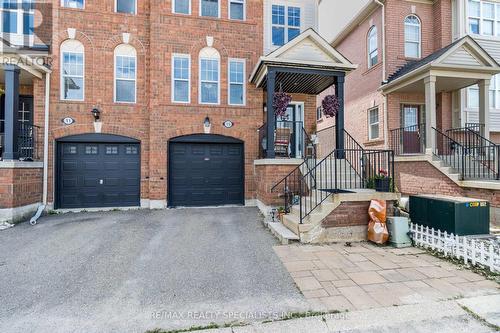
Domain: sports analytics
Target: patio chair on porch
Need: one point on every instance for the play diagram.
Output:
(282, 141)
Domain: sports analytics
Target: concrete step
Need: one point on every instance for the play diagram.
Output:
(281, 232)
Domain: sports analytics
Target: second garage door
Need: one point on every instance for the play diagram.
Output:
(206, 173)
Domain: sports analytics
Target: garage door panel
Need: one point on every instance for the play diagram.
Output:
(205, 174)
(82, 166)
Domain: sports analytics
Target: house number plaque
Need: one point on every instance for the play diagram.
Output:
(68, 121)
(228, 124)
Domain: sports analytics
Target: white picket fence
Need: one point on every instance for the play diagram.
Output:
(472, 250)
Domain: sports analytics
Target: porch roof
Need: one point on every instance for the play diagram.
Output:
(461, 64)
(307, 64)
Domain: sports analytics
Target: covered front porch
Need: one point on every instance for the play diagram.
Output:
(303, 68)
(421, 103)
(22, 77)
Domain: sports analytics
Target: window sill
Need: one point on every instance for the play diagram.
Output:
(373, 68)
(374, 142)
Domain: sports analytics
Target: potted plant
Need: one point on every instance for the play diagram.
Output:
(281, 213)
(382, 181)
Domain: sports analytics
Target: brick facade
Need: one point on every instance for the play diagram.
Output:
(266, 177)
(423, 178)
(156, 33)
(20, 187)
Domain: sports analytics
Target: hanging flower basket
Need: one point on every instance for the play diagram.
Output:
(281, 101)
(331, 106)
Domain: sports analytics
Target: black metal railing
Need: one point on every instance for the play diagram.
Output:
(308, 190)
(28, 139)
(290, 141)
(470, 156)
(408, 140)
(481, 154)
(334, 175)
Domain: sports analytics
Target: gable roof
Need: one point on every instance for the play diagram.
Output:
(307, 50)
(464, 52)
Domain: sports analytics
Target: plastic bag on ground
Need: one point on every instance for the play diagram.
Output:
(377, 227)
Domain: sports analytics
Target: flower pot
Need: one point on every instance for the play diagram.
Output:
(383, 185)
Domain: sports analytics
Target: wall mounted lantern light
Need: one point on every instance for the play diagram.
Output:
(96, 113)
(207, 125)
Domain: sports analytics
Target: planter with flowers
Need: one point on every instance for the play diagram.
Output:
(382, 181)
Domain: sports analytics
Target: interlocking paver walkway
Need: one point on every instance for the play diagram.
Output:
(363, 276)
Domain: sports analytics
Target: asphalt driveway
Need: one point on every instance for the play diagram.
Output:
(131, 271)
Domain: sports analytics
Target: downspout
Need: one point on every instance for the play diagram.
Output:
(42, 207)
(46, 139)
(384, 72)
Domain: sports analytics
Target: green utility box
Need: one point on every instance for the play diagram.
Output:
(460, 216)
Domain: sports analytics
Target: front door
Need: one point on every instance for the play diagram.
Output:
(411, 129)
(293, 120)
(24, 117)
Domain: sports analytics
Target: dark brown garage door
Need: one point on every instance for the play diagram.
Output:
(98, 171)
(206, 170)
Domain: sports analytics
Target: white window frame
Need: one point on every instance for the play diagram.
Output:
(412, 41)
(73, 46)
(370, 52)
(135, 10)
(370, 124)
(183, 56)
(173, 8)
(209, 53)
(18, 37)
(285, 26)
(218, 10)
(83, 7)
(481, 18)
(115, 55)
(241, 61)
(218, 81)
(244, 2)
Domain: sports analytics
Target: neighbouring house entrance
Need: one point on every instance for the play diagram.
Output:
(290, 126)
(98, 170)
(412, 123)
(205, 170)
(24, 118)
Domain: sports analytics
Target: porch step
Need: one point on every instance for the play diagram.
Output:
(284, 234)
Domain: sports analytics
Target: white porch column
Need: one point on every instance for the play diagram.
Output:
(484, 107)
(430, 113)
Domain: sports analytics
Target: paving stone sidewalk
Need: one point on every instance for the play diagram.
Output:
(365, 276)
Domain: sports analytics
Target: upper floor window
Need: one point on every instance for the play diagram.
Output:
(372, 47)
(181, 6)
(125, 74)
(126, 6)
(72, 71)
(237, 9)
(17, 17)
(80, 4)
(484, 18)
(236, 82)
(286, 23)
(181, 76)
(209, 76)
(412, 37)
(209, 8)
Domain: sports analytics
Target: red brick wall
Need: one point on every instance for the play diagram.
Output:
(154, 119)
(423, 178)
(361, 97)
(266, 177)
(20, 187)
(350, 214)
